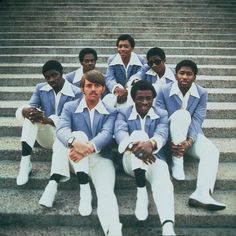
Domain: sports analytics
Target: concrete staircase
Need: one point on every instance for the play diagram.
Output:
(32, 32)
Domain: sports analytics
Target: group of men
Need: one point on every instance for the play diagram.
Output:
(153, 112)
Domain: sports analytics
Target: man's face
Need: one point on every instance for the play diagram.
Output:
(92, 91)
(124, 49)
(89, 62)
(157, 64)
(185, 77)
(143, 101)
(54, 79)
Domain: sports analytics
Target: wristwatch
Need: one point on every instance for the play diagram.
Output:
(70, 142)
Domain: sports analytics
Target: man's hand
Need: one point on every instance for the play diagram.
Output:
(33, 114)
(75, 156)
(180, 149)
(143, 151)
(83, 148)
(121, 94)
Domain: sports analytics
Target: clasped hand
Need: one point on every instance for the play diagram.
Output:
(79, 150)
(143, 151)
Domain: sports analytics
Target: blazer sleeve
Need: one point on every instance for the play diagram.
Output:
(198, 117)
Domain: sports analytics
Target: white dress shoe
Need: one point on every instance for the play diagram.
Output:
(141, 209)
(205, 200)
(85, 206)
(168, 229)
(115, 230)
(85, 203)
(178, 168)
(49, 194)
(25, 170)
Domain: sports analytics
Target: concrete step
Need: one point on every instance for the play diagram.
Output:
(65, 26)
(96, 231)
(216, 70)
(34, 19)
(10, 149)
(24, 93)
(226, 176)
(216, 128)
(32, 79)
(216, 110)
(65, 211)
(175, 10)
(105, 36)
(110, 43)
(102, 58)
(224, 51)
(120, 29)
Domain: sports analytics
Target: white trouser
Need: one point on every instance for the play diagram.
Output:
(102, 173)
(44, 134)
(162, 188)
(202, 149)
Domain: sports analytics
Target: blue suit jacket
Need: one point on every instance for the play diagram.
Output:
(116, 73)
(100, 134)
(197, 107)
(45, 100)
(157, 127)
(143, 75)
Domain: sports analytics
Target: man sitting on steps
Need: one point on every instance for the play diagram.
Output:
(186, 103)
(41, 115)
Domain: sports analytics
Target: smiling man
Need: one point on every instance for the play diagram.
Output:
(186, 103)
(155, 71)
(121, 67)
(140, 131)
(40, 117)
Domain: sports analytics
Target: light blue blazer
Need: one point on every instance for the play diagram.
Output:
(45, 100)
(117, 74)
(157, 127)
(197, 107)
(143, 75)
(100, 134)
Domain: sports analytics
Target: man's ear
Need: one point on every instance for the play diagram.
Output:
(103, 89)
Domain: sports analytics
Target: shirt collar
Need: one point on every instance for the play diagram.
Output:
(192, 91)
(134, 60)
(99, 107)
(151, 113)
(168, 73)
(78, 75)
(66, 89)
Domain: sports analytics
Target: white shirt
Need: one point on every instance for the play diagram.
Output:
(151, 113)
(192, 91)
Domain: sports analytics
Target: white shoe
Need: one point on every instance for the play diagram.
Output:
(141, 209)
(178, 168)
(168, 229)
(115, 230)
(85, 203)
(205, 200)
(25, 170)
(49, 194)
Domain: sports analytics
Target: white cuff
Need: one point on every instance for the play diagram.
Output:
(117, 85)
(55, 119)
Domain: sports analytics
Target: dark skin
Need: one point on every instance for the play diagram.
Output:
(158, 65)
(35, 115)
(143, 102)
(185, 78)
(124, 49)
